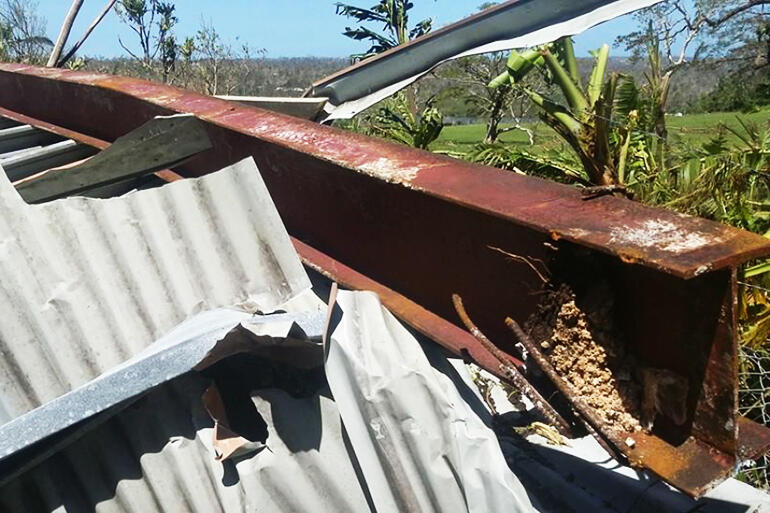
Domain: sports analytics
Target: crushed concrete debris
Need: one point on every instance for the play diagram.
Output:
(583, 349)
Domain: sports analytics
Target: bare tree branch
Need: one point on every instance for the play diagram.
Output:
(726, 16)
(64, 33)
(132, 54)
(87, 33)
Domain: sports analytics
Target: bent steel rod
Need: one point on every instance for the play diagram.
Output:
(513, 375)
(595, 425)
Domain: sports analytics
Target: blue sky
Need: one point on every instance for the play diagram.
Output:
(285, 28)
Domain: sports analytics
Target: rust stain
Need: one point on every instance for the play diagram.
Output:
(627, 259)
(445, 333)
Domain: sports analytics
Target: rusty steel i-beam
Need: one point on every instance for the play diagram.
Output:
(417, 227)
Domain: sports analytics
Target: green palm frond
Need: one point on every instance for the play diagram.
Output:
(554, 164)
(627, 96)
(361, 14)
(395, 121)
(393, 15)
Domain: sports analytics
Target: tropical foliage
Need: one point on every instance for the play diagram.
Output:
(153, 22)
(468, 80)
(22, 33)
(727, 181)
(393, 15)
(596, 119)
(400, 118)
(394, 120)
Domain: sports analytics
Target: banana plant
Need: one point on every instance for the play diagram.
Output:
(392, 15)
(395, 121)
(587, 120)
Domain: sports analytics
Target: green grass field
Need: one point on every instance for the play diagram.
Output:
(462, 138)
(691, 128)
(699, 128)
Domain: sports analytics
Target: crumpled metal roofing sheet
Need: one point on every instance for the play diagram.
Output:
(419, 444)
(157, 455)
(512, 24)
(89, 283)
(201, 340)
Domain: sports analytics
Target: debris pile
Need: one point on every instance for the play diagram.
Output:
(582, 345)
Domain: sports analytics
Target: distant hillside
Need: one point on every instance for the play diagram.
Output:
(255, 77)
(292, 76)
(688, 84)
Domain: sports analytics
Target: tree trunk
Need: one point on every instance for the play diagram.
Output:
(495, 116)
(660, 120)
(87, 33)
(493, 131)
(64, 33)
(595, 158)
(411, 102)
(599, 172)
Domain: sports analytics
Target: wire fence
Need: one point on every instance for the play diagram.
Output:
(754, 395)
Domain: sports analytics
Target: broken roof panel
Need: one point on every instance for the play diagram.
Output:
(89, 283)
(439, 202)
(513, 24)
(201, 340)
(419, 444)
(158, 456)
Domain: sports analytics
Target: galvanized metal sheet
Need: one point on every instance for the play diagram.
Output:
(157, 456)
(25, 163)
(514, 24)
(17, 138)
(427, 222)
(89, 283)
(203, 338)
(309, 464)
(419, 444)
(304, 108)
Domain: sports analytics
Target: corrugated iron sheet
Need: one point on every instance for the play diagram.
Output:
(157, 455)
(512, 24)
(419, 443)
(89, 283)
(202, 340)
